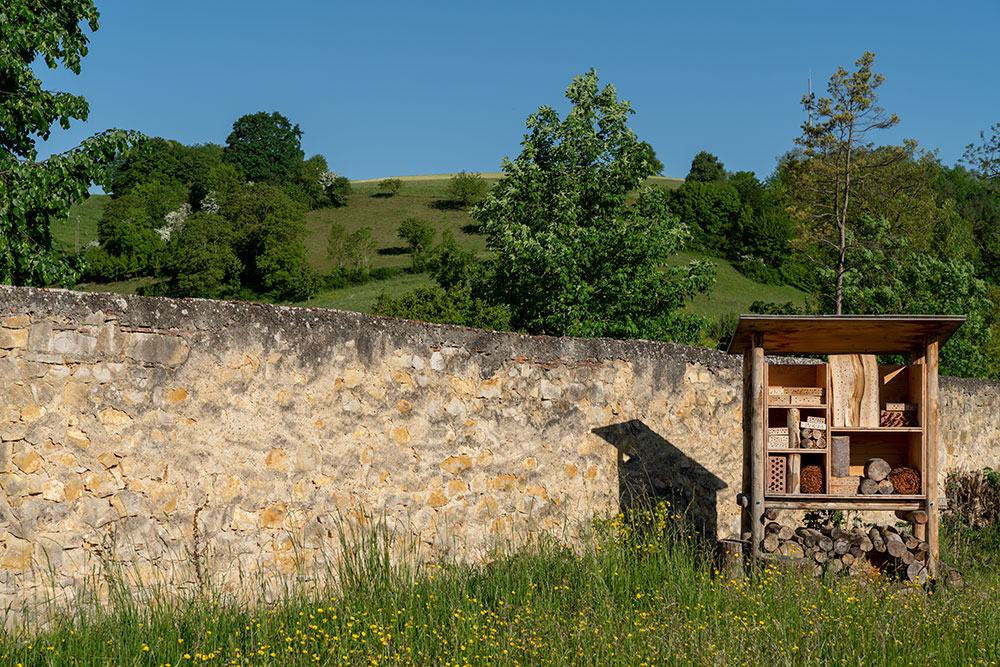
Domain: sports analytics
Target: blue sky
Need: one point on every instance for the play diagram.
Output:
(393, 89)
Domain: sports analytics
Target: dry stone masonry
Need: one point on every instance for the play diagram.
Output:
(196, 441)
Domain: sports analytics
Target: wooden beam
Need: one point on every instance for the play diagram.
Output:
(745, 514)
(757, 395)
(931, 449)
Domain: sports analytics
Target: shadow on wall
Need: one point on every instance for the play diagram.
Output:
(651, 469)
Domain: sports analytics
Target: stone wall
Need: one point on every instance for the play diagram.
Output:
(201, 441)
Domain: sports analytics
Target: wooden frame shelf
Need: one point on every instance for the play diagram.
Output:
(837, 415)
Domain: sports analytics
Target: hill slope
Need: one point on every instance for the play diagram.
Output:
(424, 197)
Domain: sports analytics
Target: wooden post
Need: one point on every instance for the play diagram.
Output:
(758, 396)
(931, 472)
(745, 514)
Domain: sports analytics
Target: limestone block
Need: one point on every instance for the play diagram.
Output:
(306, 457)
(273, 516)
(110, 340)
(437, 361)
(277, 459)
(40, 337)
(456, 464)
(76, 395)
(6, 454)
(99, 483)
(96, 512)
(549, 391)
(13, 338)
(77, 437)
(175, 396)
(16, 555)
(243, 520)
(129, 503)
(154, 348)
(108, 460)
(113, 417)
(73, 345)
(48, 553)
(26, 458)
(73, 487)
(54, 490)
(13, 431)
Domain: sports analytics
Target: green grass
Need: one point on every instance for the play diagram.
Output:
(734, 292)
(86, 214)
(633, 594)
(361, 298)
(383, 215)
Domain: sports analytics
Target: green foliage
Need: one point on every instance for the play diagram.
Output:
(650, 157)
(32, 193)
(880, 278)
(984, 158)
(351, 253)
(418, 235)
(825, 179)
(453, 267)
(203, 258)
(706, 168)
(451, 306)
(711, 209)
(264, 147)
(466, 189)
(390, 186)
(573, 254)
(162, 161)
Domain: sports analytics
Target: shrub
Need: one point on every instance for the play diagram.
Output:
(466, 189)
(390, 186)
(418, 235)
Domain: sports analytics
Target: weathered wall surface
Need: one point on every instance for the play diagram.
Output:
(209, 440)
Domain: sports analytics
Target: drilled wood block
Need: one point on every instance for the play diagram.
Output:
(844, 485)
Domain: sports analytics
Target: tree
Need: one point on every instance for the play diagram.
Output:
(418, 235)
(574, 254)
(34, 192)
(390, 186)
(985, 157)
(265, 147)
(830, 175)
(654, 162)
(466, 188)
(706, 168)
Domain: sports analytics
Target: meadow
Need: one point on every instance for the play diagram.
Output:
(639, 592)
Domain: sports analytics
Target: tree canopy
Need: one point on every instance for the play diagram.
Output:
(573, 254)
(265, 147)
(33, 192)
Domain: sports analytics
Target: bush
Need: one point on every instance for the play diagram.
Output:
(418, 235)
(390, 186)
(466, 189)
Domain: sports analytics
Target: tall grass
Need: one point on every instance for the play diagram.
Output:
(641, 592)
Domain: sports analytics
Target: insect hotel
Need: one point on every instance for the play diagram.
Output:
(845, 434)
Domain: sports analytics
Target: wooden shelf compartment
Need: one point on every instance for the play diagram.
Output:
(812, 376)
(903, 384)
(898, 448)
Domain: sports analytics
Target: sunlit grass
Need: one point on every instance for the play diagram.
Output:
(641, 593)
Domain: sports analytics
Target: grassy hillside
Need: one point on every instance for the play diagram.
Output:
(82, 217)
(423, 197)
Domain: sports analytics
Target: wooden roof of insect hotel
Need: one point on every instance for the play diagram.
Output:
(843, 334)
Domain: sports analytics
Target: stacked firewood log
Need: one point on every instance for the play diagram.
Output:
(859, 551)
